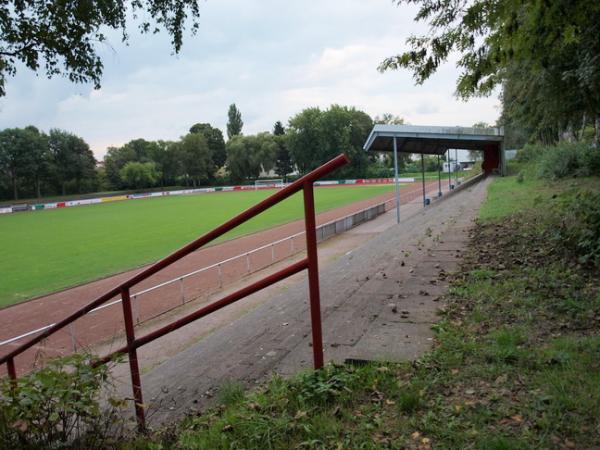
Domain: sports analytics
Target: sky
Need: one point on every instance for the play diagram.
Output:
(271, 58)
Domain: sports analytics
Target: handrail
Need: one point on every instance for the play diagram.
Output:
(304, 183)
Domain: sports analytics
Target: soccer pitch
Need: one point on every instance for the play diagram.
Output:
(44, 251)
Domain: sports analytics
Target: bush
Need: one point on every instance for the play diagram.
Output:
(139, 175)
(590, 160)
(59, 406)
(559, 161)
(529, 153)
(379, 170)
(569, 159)
(579, 230)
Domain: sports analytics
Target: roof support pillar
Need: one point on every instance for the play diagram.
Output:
(449, 175)
(423, 179)
(439, 176)
(397, 181)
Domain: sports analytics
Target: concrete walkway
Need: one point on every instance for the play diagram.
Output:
(378, 302)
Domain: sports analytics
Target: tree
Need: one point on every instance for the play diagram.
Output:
(278, 129)
(164, 156)
(24, 159)
(283, 160)
(346, 130)
(139, 175)
(215, 141)
(389, 119)
(316, 136)
(71, 160)
(114, 160)
(37, 157)
(306, 139)
(63, 37)
(139, 150)
(548, 48)
(235, 123)
(247, 156)
(12, 157)
(195, 158)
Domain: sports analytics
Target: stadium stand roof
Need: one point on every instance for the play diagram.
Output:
(431, 140)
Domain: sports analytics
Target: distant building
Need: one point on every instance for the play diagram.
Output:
(454, 166)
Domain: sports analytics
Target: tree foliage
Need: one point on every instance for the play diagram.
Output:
(23, 154)
(283, 159)
(137, 175)
(61, 37)
(247, 156)
(234, 122)
(195, 158)
(546, 55)
(33, 162)
(215, 141)
(316, 136)
(72, 159)
(136, 150)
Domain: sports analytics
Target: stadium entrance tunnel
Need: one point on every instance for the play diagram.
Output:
(430, 140)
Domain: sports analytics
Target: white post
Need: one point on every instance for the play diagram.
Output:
(181, 291)
(72, 332)
(136, 309)
(397, 181)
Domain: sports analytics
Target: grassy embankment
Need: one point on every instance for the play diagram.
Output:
(43, 251)
(515, 365)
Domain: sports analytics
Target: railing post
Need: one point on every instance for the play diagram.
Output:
(133, 361)
(10, 367)
(313, 274)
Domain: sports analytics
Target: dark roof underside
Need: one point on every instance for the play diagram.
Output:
(430, 140)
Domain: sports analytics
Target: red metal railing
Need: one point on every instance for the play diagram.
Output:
(133, 343)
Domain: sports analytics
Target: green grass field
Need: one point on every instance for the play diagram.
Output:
(44, 251)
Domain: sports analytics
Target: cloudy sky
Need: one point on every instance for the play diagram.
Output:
(272, 58)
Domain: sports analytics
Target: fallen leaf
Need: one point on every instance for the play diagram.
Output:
(517, 418)
(300, 415)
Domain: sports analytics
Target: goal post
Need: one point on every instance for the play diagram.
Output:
(269, 183)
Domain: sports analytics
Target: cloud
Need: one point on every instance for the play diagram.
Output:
(272, 59)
